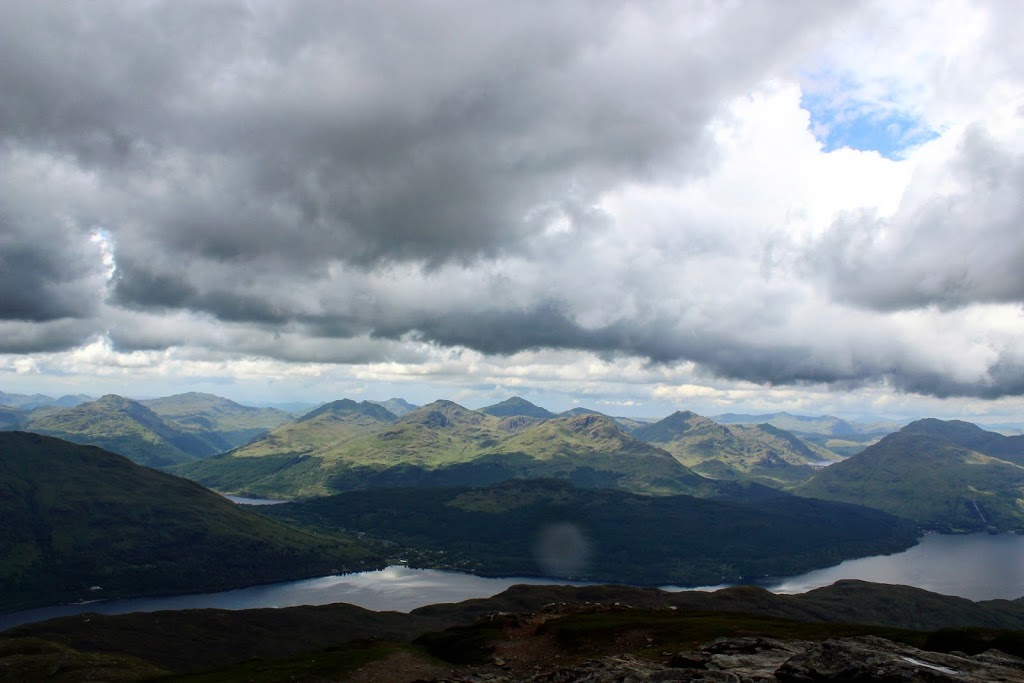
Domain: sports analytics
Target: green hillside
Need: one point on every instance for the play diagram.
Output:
(215, 418)
(760, 452)
(348, 446)
(626, 424)
(517, 406)
(968, 435)
(78, 517)
(606, 535)
(125, 427)
(931, 480)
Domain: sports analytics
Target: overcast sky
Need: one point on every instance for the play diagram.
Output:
(637, 207)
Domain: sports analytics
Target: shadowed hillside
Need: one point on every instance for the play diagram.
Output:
(83, 523)
(605, 535)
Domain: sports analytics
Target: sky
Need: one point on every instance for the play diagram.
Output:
(636, 207)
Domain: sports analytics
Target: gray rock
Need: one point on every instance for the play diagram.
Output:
(869, 658)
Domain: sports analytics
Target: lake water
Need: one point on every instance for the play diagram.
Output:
(978, 567)
(975, 566)
(242, 500)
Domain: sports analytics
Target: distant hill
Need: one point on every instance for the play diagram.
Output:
(839, 436)
(206, 414)
(929, 479)
(573, 412)
(397, 406)
(78, 517)
(353, 446)
(968, 435)
(126, 427)
(517, 406)
(760, 452)
(819, 424)
(627, 424)
(607, 535)
(30, 402)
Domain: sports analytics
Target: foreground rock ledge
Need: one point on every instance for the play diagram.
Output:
(739, 660)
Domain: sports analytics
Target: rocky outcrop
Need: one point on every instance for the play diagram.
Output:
(767, 660)
(869, 658)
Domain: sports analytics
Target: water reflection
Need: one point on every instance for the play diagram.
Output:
(976, 567)
(395, 588)
(242, 500)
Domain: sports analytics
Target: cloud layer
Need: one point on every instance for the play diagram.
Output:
(352, 184)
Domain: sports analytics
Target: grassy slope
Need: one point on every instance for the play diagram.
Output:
(77, 516)
(632, 538)
(941, 485)
(759, 452)
(235, 424)
(352, 447)
(123, 426)
(968, 435)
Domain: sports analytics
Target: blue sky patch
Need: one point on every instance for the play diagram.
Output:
(863, 126)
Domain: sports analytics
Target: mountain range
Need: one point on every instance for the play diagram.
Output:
(758, 452)
(155, 432)
(346, 445)
(843, 437)
(27, 402)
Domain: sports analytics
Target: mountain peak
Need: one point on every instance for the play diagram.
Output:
(517, 406)
(452, 413)
(965, 434)
(114, 400)
(347, 406)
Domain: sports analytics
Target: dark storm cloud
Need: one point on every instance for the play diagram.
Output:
(54, 335)
(359, 132)
(550, 325)
(956, 247)
(45, 273)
